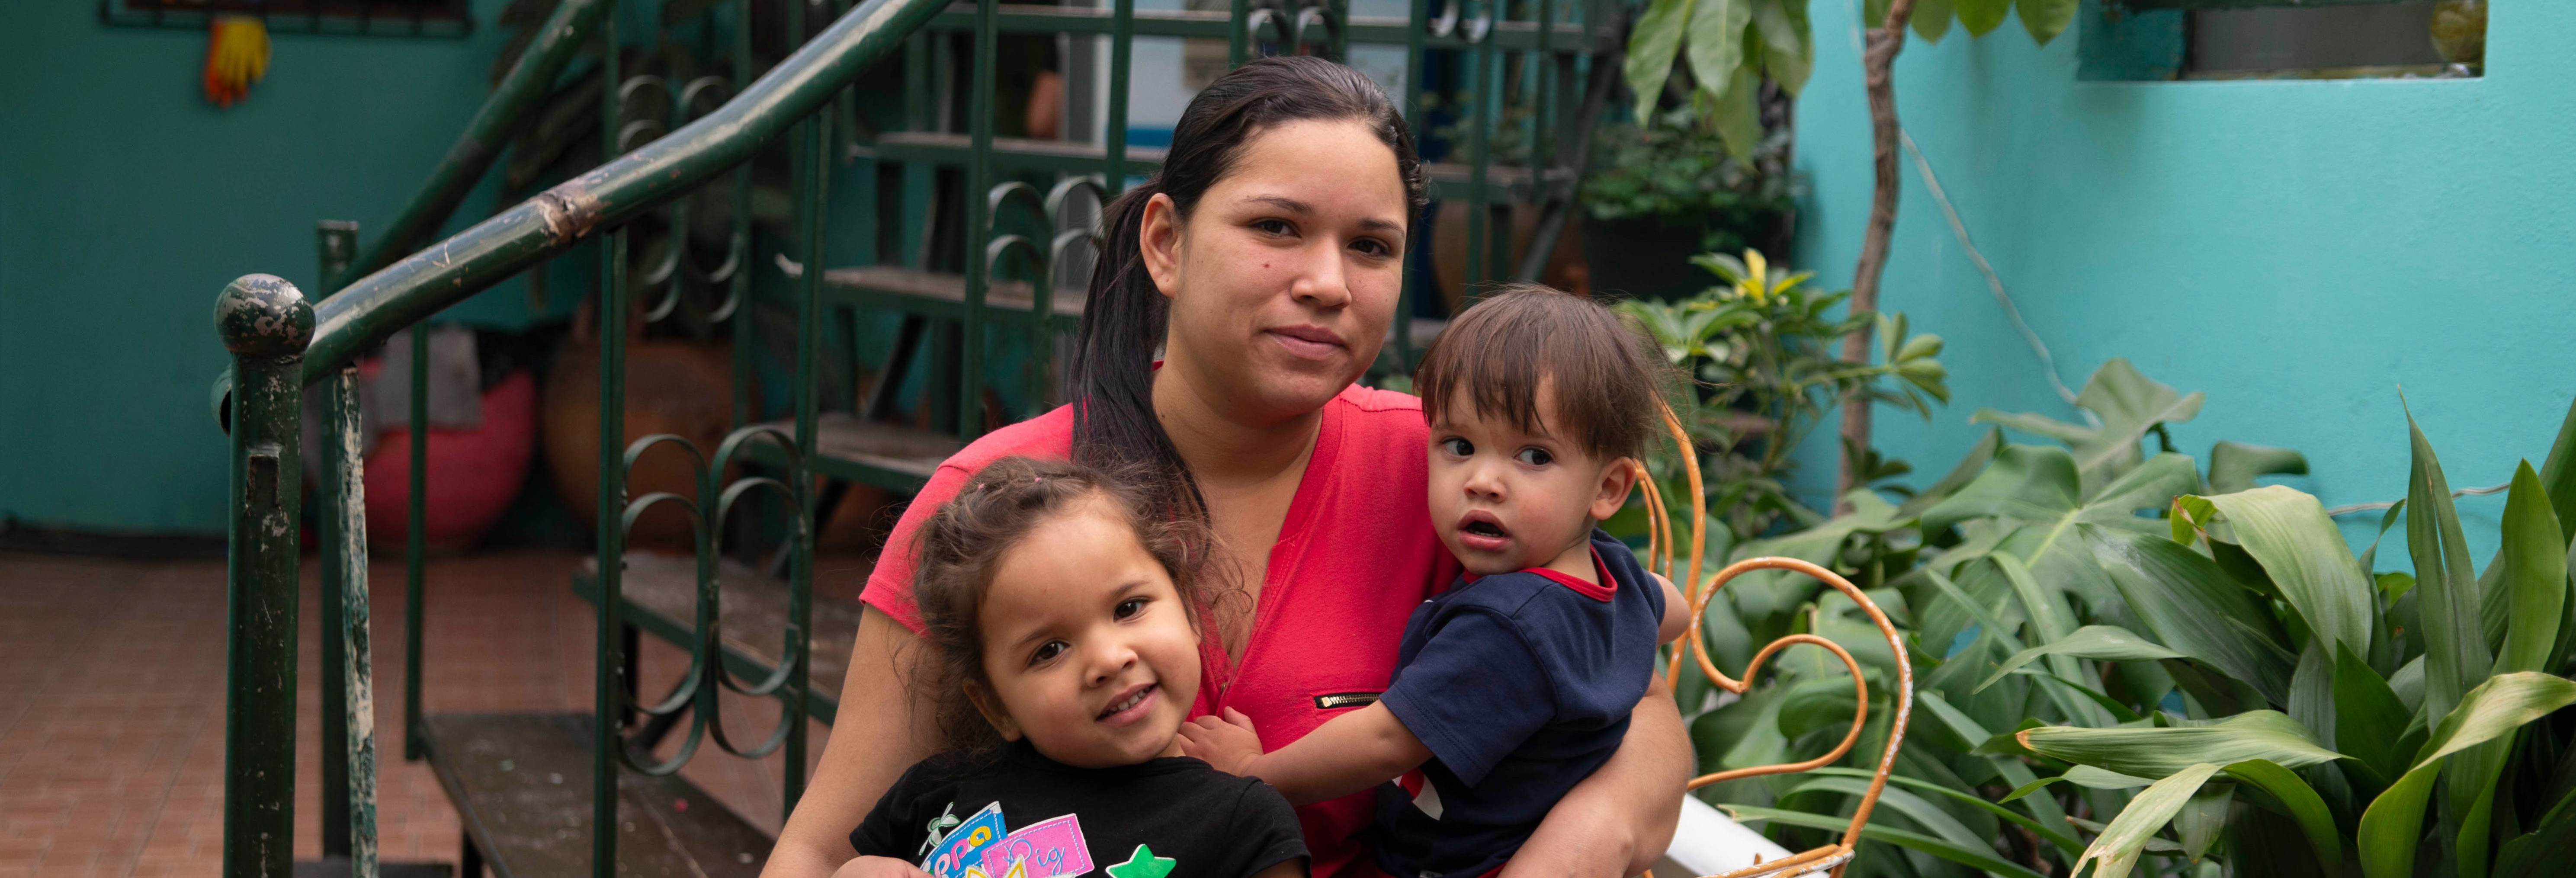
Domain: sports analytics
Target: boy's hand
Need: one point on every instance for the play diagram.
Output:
(879, 867)
(1230, 743)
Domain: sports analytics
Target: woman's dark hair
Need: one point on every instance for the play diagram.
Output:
(959, 549)
(1124, 319)
(1604, 373)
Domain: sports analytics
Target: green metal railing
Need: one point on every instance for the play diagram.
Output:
(1012, 210)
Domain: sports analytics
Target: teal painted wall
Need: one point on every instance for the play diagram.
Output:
(2297, 249)
(127, 202)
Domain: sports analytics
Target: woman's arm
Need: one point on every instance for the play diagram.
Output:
(1618, 821)
(883, 728)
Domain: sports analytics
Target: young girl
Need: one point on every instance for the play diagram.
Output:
(1062, 610)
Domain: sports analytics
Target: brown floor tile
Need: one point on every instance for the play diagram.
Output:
(112, 699)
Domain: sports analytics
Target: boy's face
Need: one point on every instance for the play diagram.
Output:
(1088, 646)
(1507, 500)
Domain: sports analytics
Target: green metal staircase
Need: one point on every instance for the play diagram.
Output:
(531, 788)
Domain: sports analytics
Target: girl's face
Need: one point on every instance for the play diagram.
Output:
(1088, 647)
(1284, 278)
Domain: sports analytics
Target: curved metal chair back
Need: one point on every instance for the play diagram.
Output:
(1660, 548)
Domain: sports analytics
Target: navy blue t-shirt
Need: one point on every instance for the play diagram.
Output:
(1520, 684)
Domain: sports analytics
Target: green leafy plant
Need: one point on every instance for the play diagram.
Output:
(1724, 50)
(1759, 351)
(2195, 671)
(1672, 170)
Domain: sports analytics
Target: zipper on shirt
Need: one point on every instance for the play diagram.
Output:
(1340, 700)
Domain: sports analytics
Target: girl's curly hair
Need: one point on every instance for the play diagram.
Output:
(962, 545)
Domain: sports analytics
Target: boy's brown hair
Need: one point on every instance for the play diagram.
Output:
(961, 546)
(1602, 372)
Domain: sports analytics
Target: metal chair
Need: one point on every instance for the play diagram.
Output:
(1660, 547)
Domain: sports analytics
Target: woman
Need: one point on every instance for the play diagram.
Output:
(1264, 260)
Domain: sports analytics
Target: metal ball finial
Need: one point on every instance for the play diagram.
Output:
(261, 315)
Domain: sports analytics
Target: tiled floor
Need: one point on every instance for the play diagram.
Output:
(112, 698)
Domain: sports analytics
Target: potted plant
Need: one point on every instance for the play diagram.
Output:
(1667, 190)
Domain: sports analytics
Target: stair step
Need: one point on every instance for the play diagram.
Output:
(521, 786)
(751, 610)
(942, 295)
(1510, 183)
(895, 458)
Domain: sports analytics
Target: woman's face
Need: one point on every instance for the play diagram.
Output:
(1284, 277)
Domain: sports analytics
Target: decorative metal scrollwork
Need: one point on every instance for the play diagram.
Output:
(697, 689)
(1293, 32)
(679, 107)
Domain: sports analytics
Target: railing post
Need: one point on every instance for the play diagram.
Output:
(350, 809)
(337, 241)
(265, 323)
(608, 694)
(979, 221)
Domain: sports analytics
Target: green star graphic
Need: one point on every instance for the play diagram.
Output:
(1143, 865)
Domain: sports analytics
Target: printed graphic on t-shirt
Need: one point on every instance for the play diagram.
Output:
(984, 847)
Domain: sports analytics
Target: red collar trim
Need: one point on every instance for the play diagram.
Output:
(1601, 592)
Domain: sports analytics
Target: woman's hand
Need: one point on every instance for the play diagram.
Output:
(1617, 822)
(879, 867)
(1230, 744)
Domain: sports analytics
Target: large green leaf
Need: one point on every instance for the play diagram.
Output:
(1737, 112)
(2447, 592)
(1931, 19)
(2548, 847)
(2233, 466)
(2025, 482)
(2289, 534)
(1981, 16)
(2116, 849)
(2054, 835)
(2109, 643)
(2157, 752)
(1915, 808)
(1652, 44)
(2014, 771)
(1716, 44)
(2312, 689)
(2394, 822)
(2204, 818)
(2129, 404)
(2535, 577)
(2045, 19)
(1788, 42)
(2558, 474)
(2194, 608)
(2366, 711)
(1978, 456)
(1980, 857)
(2305, 807)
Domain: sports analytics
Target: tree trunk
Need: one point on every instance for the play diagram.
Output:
(1876, 61)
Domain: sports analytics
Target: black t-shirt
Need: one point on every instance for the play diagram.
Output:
(1520, 684)
(1173, 817)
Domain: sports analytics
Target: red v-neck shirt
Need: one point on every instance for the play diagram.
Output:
(1355, 556)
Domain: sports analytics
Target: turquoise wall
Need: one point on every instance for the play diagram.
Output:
(2297, 249)
(127, 202)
